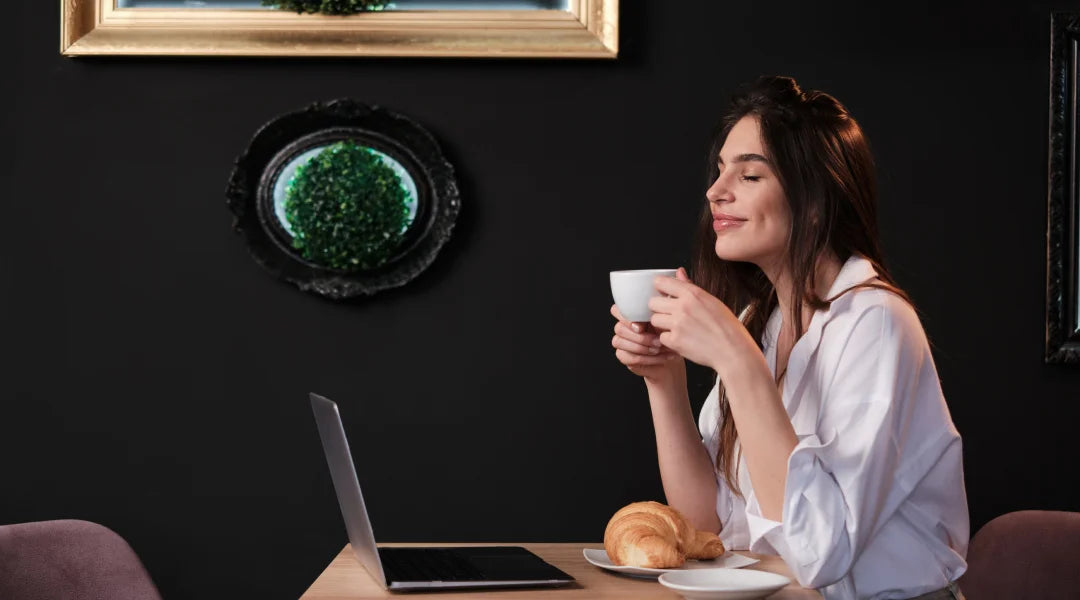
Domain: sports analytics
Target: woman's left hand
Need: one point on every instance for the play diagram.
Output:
(697, 325)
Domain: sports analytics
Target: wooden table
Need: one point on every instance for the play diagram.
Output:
(345, 579)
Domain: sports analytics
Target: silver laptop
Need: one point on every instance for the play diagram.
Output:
(425, 568)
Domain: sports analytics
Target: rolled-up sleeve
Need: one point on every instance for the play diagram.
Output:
(844, 480)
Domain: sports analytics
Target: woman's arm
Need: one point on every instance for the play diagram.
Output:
(685, 467)
(703, 329)
(765, 430)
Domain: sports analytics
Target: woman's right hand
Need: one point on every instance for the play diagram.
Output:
(641, 351)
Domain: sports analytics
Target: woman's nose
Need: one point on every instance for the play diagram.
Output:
(718, 191)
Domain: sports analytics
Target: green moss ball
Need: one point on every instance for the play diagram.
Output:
(347, 208)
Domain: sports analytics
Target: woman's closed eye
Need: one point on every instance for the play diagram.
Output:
(751, 177)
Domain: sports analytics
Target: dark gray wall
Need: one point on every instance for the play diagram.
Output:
(154, 377)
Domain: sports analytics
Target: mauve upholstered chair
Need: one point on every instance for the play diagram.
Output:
(1028, 554)
(70, 559)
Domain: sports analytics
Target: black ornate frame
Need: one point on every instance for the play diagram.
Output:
(1063, 203)
(250, 194)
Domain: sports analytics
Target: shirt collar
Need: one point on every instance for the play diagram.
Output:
(855, 270)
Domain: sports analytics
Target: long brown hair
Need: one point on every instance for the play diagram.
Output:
(824, 164)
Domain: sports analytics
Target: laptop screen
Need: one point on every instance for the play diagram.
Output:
(347, 486)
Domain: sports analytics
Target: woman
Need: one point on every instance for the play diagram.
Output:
(826, 439)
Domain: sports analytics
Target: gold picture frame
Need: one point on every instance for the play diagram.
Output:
(588, 29)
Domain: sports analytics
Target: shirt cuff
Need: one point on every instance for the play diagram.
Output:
(766, 535)
(804, 496)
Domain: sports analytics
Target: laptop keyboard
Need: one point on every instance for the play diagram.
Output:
(426, 564)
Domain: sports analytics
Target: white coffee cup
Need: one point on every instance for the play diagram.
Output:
(632, 290)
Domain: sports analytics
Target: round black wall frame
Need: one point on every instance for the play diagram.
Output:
(261, 173)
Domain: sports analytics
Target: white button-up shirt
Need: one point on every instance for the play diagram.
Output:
(874, 504)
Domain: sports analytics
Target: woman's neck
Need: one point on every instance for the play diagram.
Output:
(826, 268)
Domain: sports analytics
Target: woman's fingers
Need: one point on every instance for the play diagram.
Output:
(663, 304)
(632, 326)
(631, 359)
(645, 339)
(638, 350)
(662, 322)
(622, 343)
(615, 313)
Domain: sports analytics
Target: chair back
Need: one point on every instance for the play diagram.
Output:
(1025, 554)
(70, 559)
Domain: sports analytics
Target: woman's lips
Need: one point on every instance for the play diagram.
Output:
(725, 224)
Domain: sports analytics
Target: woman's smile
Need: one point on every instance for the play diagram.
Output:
(725, 223)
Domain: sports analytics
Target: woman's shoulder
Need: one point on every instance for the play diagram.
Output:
(873, 311)
(875, 352)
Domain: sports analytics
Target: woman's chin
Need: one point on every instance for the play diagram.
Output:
(725, 251)
(730, 250)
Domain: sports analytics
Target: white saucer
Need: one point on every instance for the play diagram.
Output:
(727, 560)
(723, 584)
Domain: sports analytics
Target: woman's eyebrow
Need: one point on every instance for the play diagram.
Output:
(745, 158)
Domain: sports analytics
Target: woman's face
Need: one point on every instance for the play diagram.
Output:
(748, 190)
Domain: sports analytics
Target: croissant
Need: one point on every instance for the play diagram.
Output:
(656, 536)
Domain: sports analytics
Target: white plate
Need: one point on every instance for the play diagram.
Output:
(723, 584)
(727, 560)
